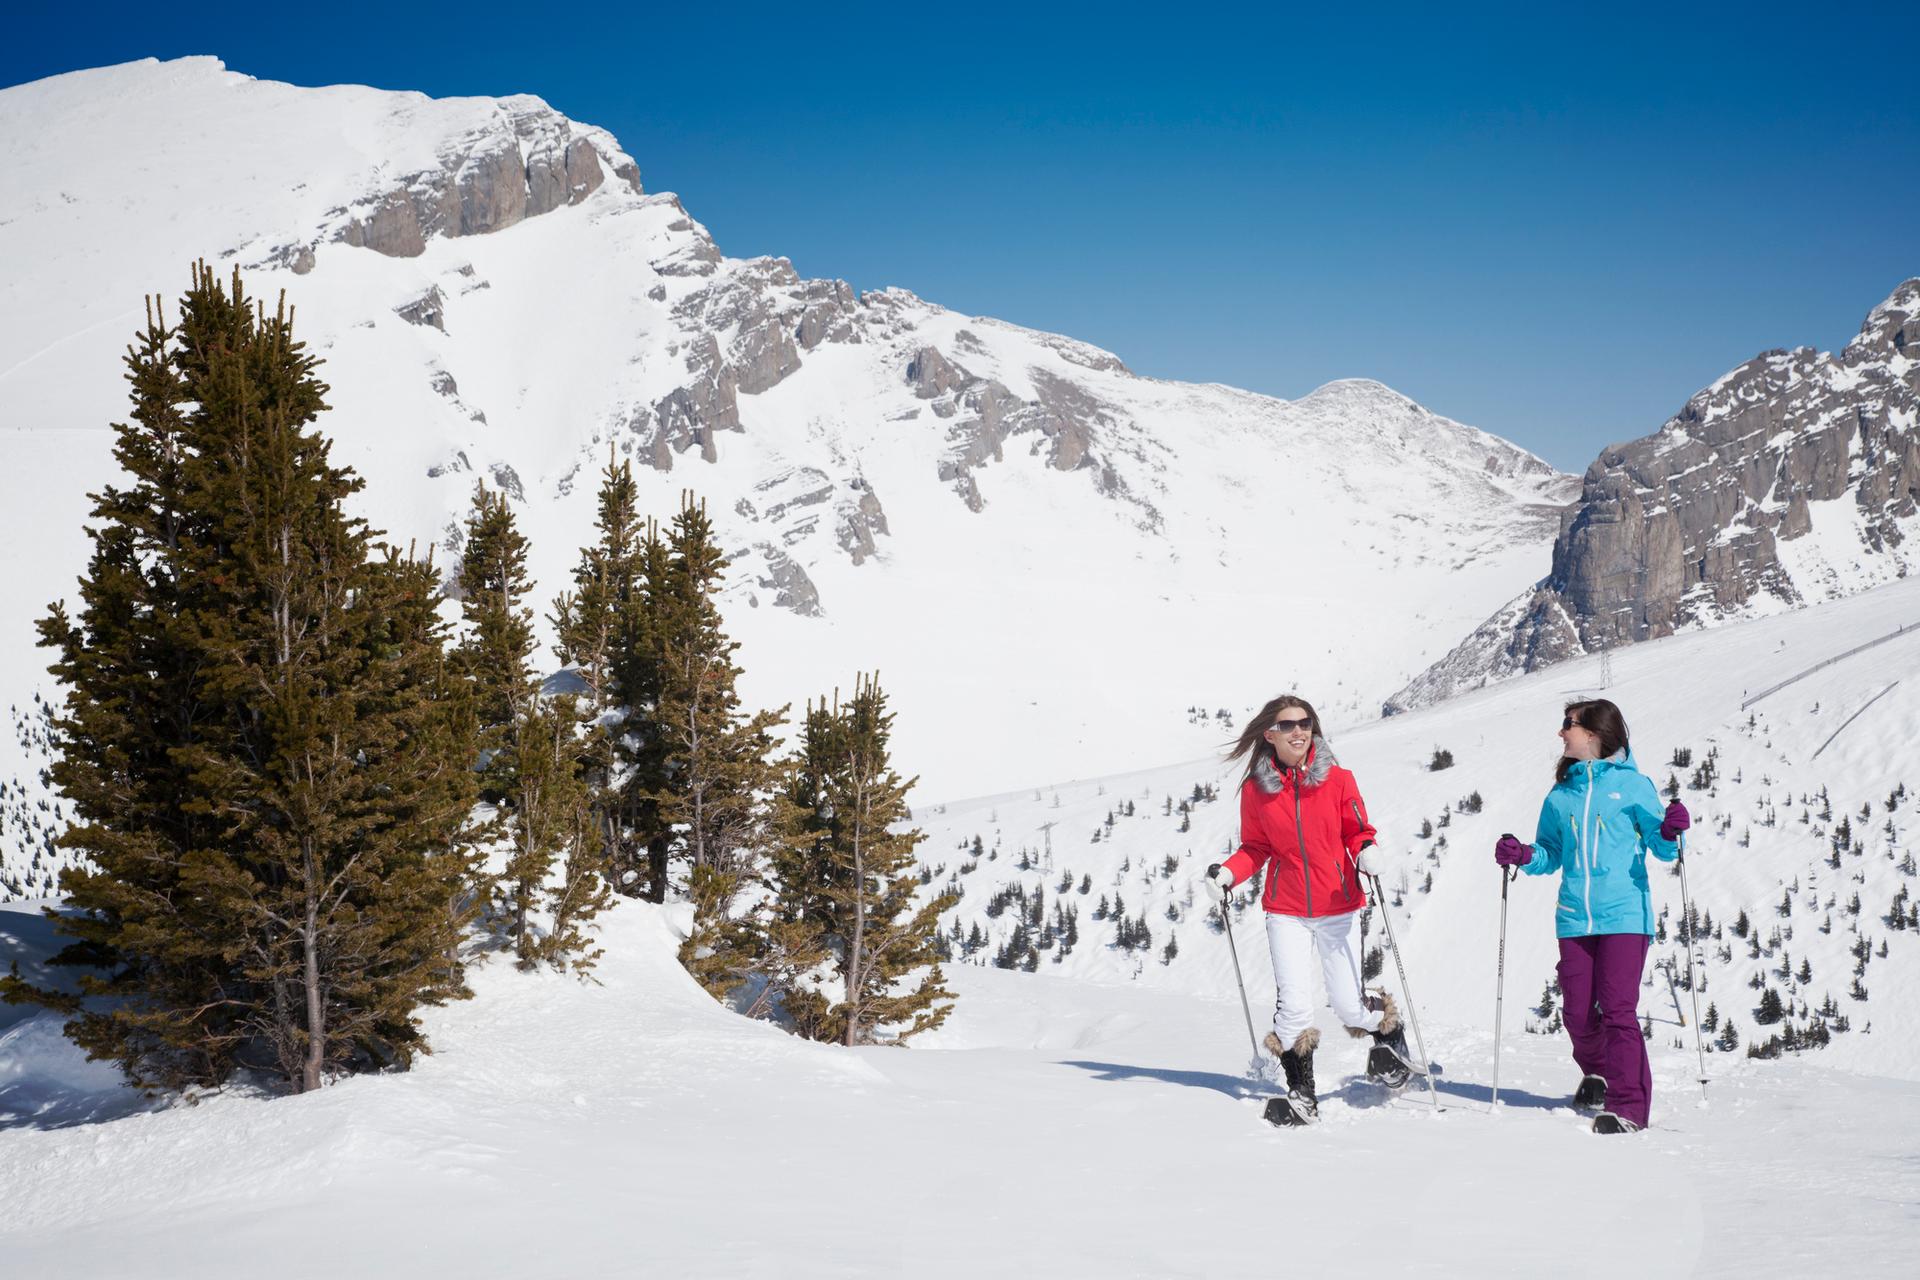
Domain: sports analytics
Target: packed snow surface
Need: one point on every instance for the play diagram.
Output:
(1097, 1117)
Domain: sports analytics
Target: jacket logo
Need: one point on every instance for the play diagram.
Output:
(1614, 796)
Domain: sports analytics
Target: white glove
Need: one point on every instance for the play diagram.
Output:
(1363, 861)
(1217, 882)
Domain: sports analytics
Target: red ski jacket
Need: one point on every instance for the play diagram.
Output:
(1304, 826)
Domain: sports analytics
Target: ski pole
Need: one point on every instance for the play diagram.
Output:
(1406, 992)
(1693, 988)
(1500, 983)
(1239, 979)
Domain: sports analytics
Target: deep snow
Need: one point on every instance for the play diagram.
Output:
(1054, 1127)
(1077, 1121)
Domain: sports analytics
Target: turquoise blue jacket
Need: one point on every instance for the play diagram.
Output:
(1596, 829)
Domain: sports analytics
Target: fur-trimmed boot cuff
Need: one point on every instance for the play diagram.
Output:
(1390, 1020)
(1382, 1002)
(1303, 1044)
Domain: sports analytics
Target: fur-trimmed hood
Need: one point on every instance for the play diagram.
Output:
(1319, 763)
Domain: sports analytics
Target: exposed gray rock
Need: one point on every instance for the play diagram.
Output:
(826, 314)
(560, 171)
(297, 258)
(1066, 415)
(454, 465)
(391, 227)
(694, 252)
(1685, 527)
(491, 188)
(430, 308)
(762, 357)
(791, 586)
(861, 520)
(508, 481)
(806, 487)
(932, 375)
(751, 321)
(692, 415)
(532, 162)
(1064, 420)
(754, 307)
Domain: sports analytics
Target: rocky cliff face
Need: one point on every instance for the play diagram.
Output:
(1794, 478)
(526, 160)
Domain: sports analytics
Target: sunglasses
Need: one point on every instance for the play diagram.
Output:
(1288, 726)
(1568, 722)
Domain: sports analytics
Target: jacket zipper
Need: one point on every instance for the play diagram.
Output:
(1585, 817)
(1300, 842)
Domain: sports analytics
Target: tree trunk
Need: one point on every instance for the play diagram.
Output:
(316, 1007)
(657, 869)
(856, 946)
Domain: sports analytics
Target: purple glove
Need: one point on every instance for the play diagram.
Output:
(1511, 853)
(1676, 821)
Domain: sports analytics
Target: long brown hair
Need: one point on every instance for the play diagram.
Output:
(1603, 720)
(1252, 742)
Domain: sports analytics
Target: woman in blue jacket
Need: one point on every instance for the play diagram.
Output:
(1599, 822)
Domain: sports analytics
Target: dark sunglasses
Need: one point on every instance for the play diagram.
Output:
(1288, 726)
(1568, 722)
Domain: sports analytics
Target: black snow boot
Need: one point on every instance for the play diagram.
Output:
(1390, 1061)
(1591, 1095)
(1607, 1122)
(1301, 1101)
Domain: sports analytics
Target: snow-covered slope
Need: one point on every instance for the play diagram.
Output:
(1053, 1127)
(1081, 1120)
(1763, 830)
(1047, 557)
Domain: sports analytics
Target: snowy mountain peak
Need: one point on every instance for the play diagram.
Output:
(1009, 523)
(1891, 330)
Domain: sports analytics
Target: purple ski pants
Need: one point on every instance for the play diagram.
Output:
(1600, 995)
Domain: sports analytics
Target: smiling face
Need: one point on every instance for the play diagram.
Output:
(1291, 735)
(1578, 743)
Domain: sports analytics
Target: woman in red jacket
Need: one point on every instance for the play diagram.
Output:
(1302, 821)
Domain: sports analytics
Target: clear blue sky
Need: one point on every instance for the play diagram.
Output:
(1550, 222)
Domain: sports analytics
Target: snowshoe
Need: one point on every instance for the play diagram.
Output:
(1386, 1067)
(1607, 1122)
(1591, 1095)
(1389, 1062)
(1280, 1113)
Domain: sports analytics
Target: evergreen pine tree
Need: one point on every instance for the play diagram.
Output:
(532, 746)
(599, 632)
(497, 649)
(267, 774)
(843, 865)
(715, 761)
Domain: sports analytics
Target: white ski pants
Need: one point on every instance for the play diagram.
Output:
(1294, 942)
